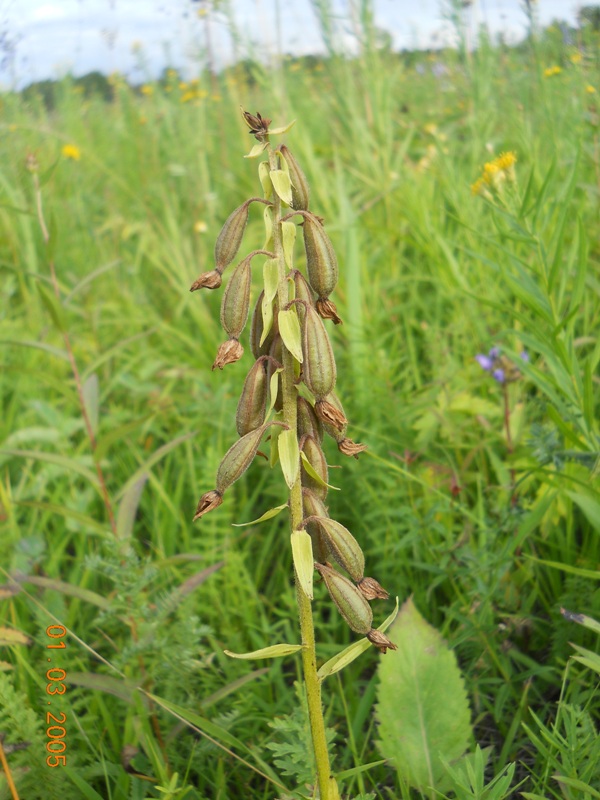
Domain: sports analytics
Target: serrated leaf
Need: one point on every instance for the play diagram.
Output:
(282, 185)
(303, 560)
(265, 180)
(289, 328)
(423, 711)
(91, 400)
(256, 150)
(285, 129)
(272, 512)
(353, 651)
(314, 474)
(274, 651)
(289, 456)
(9, 636)
(288, 236)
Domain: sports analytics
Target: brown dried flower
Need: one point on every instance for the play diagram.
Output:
(329, 414)
(207, 502)
(380, 641)
(350, 448)
(258, 125)
(208, 280)
(327, 310)
(229, 352)
(372, 589)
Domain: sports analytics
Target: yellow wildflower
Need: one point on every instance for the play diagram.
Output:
(147, 90)
(200, 226)
(576, 58)
(590, 89)
(183, 86)
(549, 72)
(187, 96)
(506, 160)
(495, 173)
(71, 151)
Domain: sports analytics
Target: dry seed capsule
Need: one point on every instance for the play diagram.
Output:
(253, 400)
(208, 502)
(322, 266)
(314, 453)
(236, 300)
(329, 414)
(380, 640)
(345, 445)
(229, 352)
(239, 457)
(318, 368)
(300, 188)
(372, 589)
(342, 546)
(256, 329)
(351, 604)
(314, 506)
(308, 422)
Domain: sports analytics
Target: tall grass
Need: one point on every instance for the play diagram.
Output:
(491, 544)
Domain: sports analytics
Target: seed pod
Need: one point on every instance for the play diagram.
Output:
(313, 506)
(253, 400)
(342, 546)
(239, 457)
(208, 280)
(330, 415)
(319, 364)
(308, 423)
(313, 451)
(345, 445)
(229, 240)
(256, 329)
(380, 640)
(207, 502)
(300, 188)
(229, 352)
(321, 261)
(236, 300)
(351, 604)
(276, 357)
(372, 589)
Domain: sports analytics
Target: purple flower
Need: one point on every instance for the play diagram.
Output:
(485, 362)
(498, 375)
(524, 356)
(494, 353)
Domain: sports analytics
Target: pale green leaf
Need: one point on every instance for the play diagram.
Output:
(289, 456)
(288, 235)
(266, 309)
(256, 150)
(274, 651)
(70, 589)
(313, 473)
(289, 328)
(272, 512)
(588, 658)
(275, 434)
(268, 245)
(271, 278)
(265, 180)
(91, 400)
(304, 563)
(590, 508)
(128, 508)
(53, 306)
(273, 390)
(581, 619)
(353, 651)
(423, 710)
(282, 185)
(284, 129)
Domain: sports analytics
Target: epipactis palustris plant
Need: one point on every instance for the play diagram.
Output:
(290, 393)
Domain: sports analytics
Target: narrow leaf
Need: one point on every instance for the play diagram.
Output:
(303, 561)
(69, 589)
(273, 389)
(289, 328)
(53, 306)
(91, 400)
(268, 229)
(128, 508)
(289, 456)
(271, 278)
(274, 651)
(272, 512)
(314, 474)
(256, 150)
(154, 459)
(288, 235)
(284, 129)
(282, 185)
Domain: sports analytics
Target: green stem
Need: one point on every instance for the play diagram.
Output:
(290, 413)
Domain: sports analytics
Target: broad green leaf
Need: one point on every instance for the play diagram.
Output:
(289, 328)
(265, 180)
(313, 473)
(304, 563)
(353, 651)
(272, 512)
(128, 508)
(91, 400)
(11, 636)
(288, 235)
(423, 711)
(289, 456)
(282, 185)
(274, 651)
(256, 150)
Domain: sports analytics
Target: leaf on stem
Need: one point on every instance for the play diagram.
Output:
(303, 561)
(274, 651)
(272, 512)
(282, 185)
(289, 328)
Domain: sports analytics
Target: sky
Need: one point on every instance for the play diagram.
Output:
(47, 38)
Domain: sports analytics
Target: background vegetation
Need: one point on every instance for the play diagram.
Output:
(492, 535)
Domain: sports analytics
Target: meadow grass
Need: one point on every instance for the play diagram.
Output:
(491, 543)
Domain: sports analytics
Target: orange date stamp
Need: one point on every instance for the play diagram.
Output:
(55, 730)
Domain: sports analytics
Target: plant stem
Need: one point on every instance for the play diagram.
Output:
(290, 412)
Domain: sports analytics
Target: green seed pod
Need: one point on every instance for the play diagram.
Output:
(301, 287)
(300, 188)
(236, 300)
(321, 261)
(319, 364)
(314, 506)
(314, 453)
(351, 604)
(308, 422)
(229, 240)
(252, 405)
(239, 457)
(342, 546)
(256, 329)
